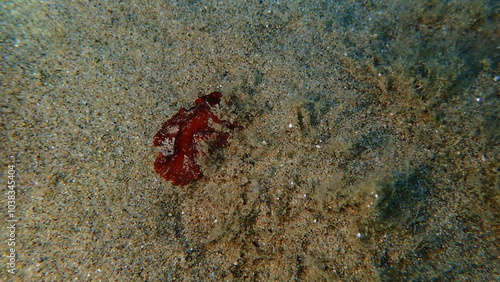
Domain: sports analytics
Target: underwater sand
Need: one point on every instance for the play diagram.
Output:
(367, 149)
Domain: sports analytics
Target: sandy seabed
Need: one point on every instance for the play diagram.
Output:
(367, 146)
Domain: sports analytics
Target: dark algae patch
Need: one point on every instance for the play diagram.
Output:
(367, 147)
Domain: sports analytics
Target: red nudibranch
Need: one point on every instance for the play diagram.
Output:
(178, 136)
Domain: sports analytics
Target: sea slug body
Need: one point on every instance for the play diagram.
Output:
(178, 136)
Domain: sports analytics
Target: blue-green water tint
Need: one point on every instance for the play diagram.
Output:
(367, 146)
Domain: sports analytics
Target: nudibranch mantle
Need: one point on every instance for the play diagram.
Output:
(178, 137)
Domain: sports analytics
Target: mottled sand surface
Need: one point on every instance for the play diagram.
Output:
(368, 146)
